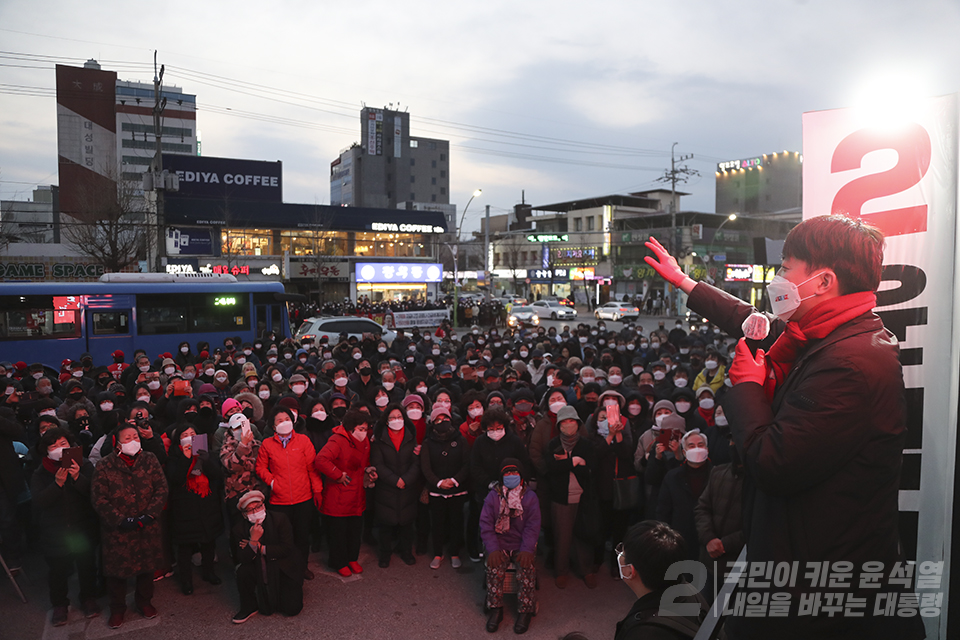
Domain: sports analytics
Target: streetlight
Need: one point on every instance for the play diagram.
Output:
(456, 258)
(730, 218)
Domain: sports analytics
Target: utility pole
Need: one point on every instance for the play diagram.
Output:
(676, 174)
(158, 178)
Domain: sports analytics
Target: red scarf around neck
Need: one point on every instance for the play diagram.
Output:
(816, 324)
(200, 484)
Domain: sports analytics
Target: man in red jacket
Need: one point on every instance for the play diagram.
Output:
(285, 464)
(817, 416)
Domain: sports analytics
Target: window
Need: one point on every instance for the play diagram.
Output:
(192, 312)
(590, 223)
(413, 179)
(433, 181)
(389, 177)
(111, 323)
(433, 164)
(433, 197)
(578, 224)
(413, 161)
(443, 157)
(443, 191)
(413, 197)
(433, 146)
(167, 146)
(27, 317)
(443, 173)
(413, 145)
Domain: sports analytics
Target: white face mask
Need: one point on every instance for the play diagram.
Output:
(388, 386)
(550, 380)
(357, 356)
(381, 401)
(556, 406)
(241, 361)
(615, 379)
(298, 388)
(680, 382)
(257, 517)
(247, 352)
(288, 356)
(728, 382)
(153, 385)
(284, 428)
(496, 434)
(382, 349)
(711, 364)
(475, 412)
(785, 296)
(184, 350)
(38, 375)
(144, 368)
(588, 379)
(169, 370)
(277, 377)
(131, 448)
(697, 455)
(683, 407)
(358, 435)
(422, 390)
(186, 441)
(637, 371)
(55, 454)
(320, 415)
(720, 420)
(706, 403)
(208, 372)
(684, 351)
(189, 375)
(264, 395)
(251, 383)
(49, 412)
(414, 414)
(221, 379)
(143, 398)
(272, 360)
(634, 409)
(106, 406)
(430, 366)
(340, 382)
(395, 424)
(523, 354)
(659, 375)
(655, 345)
(659, 419)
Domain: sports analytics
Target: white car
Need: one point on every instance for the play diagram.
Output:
(554, 310)
(333, 326)
(523, 316)
(616, 311)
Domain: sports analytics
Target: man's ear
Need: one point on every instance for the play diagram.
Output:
(827, 281)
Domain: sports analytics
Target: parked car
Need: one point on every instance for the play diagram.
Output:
(567, 302)
(617, 311)
(554, 310)
(333, 326)
(523, 317)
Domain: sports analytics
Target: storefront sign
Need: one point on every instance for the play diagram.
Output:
(400, 227)
(398, 272)
(549, 275)
(408, 319)
(576, 256)
(733, 165)
(50, 269)
(191, 241)
(313, 269)
(739, 273)
(582, 273)
(227, 178)
(548, 238)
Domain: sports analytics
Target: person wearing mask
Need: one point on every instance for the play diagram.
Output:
(344, 466)
(129, 491)
(646, 554)
(509, 528)
(713, 372)
(706, 406)
(719, 516)
(238, 456)
(363, 381)
(393, 453)
(682, 488)
(285, 465)
(660, 452)
(638, 413)
(685, 403)
(74, 394)
(444, 462)
(269, 566)
(524, 416)
(66, 524)
(196, 494)
(413, 408)
(570, 462)
(471, 407)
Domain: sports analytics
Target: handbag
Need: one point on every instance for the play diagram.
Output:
(626, 491)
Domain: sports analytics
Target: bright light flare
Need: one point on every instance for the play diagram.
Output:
(891, 99)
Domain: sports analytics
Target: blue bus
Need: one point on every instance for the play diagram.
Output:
(41, 322)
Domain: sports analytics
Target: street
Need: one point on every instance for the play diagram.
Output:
(397, 603)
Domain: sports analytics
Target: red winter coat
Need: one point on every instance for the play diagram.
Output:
(289, 472)
(343, 454)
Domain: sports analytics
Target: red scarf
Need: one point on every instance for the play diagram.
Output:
(707, 415)
(816, 324)
(200, 484)
(51, 465)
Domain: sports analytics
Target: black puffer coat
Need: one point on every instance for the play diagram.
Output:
(392, 504)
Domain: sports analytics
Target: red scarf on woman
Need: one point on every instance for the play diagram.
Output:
(200, 484)
(816, 324)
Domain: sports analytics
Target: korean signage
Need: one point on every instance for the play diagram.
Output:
(549, 275)
(374, 132)
(326, 269)
(191, 241)
(900, 175)
(398, 272)
(576, 255)
(733, 165)
(408, 319)
(756, 273)
(548, 237)
(227, 178)
(397, 136)
(242, 269)
(582, 273)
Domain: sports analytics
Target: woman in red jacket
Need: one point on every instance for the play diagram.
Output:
(285, 464)
(343, 464)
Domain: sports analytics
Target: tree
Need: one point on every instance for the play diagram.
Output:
(511, 248)
(109, 225)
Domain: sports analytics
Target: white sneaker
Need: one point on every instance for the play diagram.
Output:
(436, 562)
(455, 562)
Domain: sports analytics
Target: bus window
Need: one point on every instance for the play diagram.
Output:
(33, 322)
(261, 319)
(160, 314)
(276, 321)
(109, 323)
(192, 313)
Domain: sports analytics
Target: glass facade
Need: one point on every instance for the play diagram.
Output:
(307, 242)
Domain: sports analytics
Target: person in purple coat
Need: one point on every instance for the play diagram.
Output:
(509, 528)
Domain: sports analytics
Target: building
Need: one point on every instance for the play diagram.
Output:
(389, 168)
(767, 185)
(105, 133)
(32, 221)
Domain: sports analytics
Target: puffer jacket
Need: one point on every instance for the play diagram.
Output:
(289, 471)
(343, 454)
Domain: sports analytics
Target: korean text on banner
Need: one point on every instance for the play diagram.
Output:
(409, 319)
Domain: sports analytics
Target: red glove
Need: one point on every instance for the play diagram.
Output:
(667, 266)
(746, 368)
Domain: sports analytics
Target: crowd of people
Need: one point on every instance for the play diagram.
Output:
(476, 444)
(487, 312)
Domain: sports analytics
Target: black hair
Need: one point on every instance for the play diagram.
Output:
(651, 547)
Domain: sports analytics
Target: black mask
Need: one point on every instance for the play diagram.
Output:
(248, 412)
(443, 430)
(190, 417)
(365, 371)
(76, 395)
(104, 382)
(339, 412)
(205, 412)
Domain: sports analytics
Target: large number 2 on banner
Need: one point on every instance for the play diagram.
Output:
(912, 144)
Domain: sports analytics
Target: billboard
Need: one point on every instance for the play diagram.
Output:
(227, 178)
(413, 272)
(86, 138)
(901, 176)
(192, 241)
